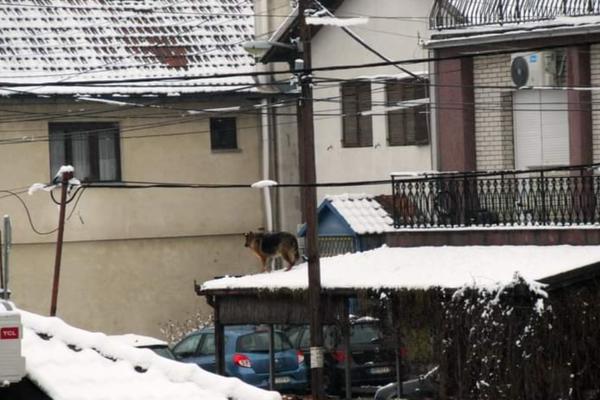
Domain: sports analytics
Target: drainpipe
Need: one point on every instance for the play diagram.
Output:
(266, 162)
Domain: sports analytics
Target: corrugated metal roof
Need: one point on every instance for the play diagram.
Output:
(45, 42)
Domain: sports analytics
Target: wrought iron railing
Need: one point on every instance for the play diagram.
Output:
(452, 14)
(553, 197)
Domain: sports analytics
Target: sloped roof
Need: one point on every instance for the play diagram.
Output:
(45, 42)
(73, 364)
(362, 212)
(424, 267)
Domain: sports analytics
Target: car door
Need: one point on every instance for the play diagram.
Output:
(205, 356)
(187, 349)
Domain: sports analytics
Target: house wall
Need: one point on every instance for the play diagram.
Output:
(332, 46)
(131, 255)
(269, 15)
(123, 286)
(493, 112)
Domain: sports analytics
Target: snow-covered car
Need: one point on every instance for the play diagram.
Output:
(158, 346)
(424, 387)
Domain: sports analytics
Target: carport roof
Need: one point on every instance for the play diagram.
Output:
(423, 268)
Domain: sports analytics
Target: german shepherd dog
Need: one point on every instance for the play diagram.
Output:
(268, 245)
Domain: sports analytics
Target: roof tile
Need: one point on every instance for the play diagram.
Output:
(60, 40)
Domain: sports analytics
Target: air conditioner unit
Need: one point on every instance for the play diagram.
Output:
(12, 363)
(533, 68)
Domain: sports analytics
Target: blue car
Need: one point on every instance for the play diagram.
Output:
(247, 356)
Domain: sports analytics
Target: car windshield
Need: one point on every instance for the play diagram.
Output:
(258, 342)
(364, 333)
(163, 352)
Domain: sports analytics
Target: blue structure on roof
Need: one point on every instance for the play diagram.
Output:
(336, 236)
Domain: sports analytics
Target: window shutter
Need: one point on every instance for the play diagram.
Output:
(407, 126)
(409, 113)
(421, 114)
(349, 118)
(396, 131)
(365, 122)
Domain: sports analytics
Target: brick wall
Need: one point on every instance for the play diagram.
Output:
(595, 81)
(493, 113)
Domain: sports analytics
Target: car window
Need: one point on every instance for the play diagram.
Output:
(294, 335)
(163, 352)
(364, 333)
(208, 345)
(187, 347)
(258, 342)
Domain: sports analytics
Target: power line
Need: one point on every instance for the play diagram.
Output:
(156, 10)
(115, 83)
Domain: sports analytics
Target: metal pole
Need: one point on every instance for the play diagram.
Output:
(66, 176)
(5, 257)
(2, 275)
(346, 332)
(308, 178)
(219, 339)
(272, 357)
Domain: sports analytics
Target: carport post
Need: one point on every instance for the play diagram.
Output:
(346, 339)
(219, 339)
(398, 344)
(271, 357)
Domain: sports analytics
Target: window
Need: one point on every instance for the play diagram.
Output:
(357, 128)
(223, 134)
(407, 125)
(541, 128)
(207, 347)
(187, 347)
(92, 148)
(259, 343)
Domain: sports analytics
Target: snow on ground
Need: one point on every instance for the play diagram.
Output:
(425, 267)
(73, 364)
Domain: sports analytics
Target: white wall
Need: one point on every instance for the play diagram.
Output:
(395, 38)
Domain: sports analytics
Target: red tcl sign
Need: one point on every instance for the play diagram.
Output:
(9, 333)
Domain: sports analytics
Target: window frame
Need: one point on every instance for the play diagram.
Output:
(68, 131)
(408, 126)
(214, 134)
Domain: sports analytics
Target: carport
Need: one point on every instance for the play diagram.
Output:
(415, 283)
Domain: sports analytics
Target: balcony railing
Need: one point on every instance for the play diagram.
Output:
(546, 197)
(452, 14)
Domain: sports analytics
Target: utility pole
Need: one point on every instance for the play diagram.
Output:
(65, 178)
(306, 141)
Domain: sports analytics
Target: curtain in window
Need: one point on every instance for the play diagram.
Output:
(107, 156)
(57, 152)
(80, 155)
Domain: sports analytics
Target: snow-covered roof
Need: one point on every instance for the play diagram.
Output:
(73, 364)
(66, 41)
(424, 267)
(559, 26)
(362, 212)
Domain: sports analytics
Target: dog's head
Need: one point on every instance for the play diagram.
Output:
(249, 236)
